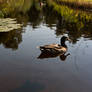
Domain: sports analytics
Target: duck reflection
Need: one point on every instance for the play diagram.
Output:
(55, 50)
(46, 54)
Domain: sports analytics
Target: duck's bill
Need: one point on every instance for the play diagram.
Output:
(69, 39)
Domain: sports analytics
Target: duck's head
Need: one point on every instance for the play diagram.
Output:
(63, 39)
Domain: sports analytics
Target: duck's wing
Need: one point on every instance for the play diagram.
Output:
(61, 49)
(50, 46)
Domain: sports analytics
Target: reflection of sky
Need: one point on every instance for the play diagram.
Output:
(49, 75)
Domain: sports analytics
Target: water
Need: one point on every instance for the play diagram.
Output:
(22, 71)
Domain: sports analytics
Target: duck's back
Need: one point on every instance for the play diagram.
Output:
(50, 46)
(53, 48)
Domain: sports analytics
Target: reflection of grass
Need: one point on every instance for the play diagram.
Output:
(11, 7)
(78, 3)
(73, 16)
(75, 23)
(1, 14)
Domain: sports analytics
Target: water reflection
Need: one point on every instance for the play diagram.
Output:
(75, 23)
(29, 86)
(11, 39)
(43, 25)
(46, 54)
(35, 17)
(63, 27)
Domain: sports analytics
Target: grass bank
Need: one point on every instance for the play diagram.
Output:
(82, 4)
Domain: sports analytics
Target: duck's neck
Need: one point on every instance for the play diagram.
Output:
(63, 44)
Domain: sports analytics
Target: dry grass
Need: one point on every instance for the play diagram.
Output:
(77, 3)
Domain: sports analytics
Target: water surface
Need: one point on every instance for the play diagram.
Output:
(20, 68)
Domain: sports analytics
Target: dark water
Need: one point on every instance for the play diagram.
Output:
(22, 71)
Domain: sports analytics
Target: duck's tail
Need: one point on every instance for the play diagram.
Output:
(38, 47)
(41, 47)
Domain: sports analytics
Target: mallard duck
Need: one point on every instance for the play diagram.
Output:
(56, 48)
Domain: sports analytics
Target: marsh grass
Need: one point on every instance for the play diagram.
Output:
(72, 16)
(83, 4)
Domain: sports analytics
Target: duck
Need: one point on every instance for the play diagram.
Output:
(54, 49)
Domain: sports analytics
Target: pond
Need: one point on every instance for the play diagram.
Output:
(21, 69)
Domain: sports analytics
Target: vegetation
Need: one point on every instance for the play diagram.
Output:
(9, 7)
(77, 3)
(8, 24)
(71, 15)
(11, 39)
(14, 9)
(74, 22)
